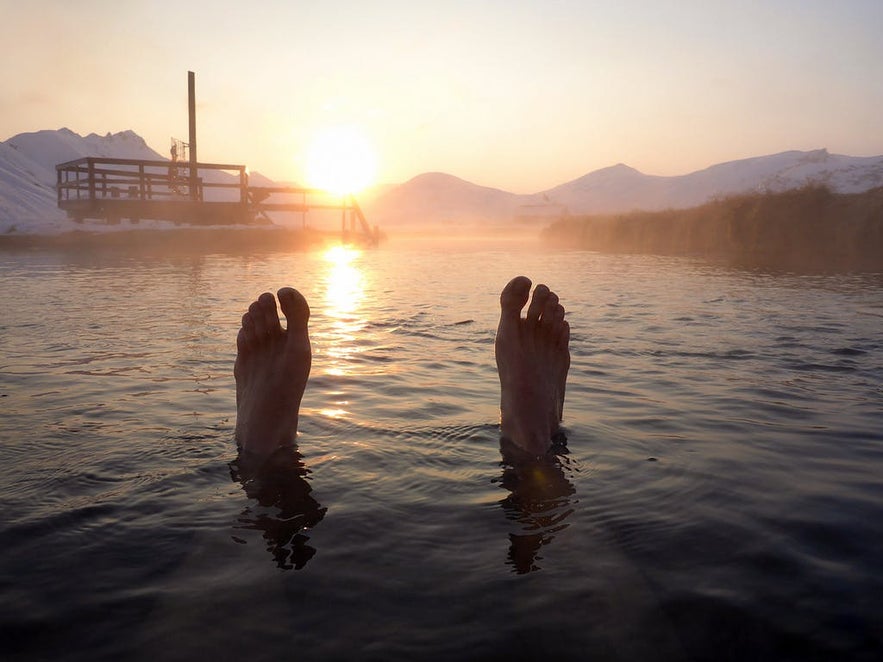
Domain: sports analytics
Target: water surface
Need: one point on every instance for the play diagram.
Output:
(720, 499)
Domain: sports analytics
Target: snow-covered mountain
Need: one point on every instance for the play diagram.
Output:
(621, 188)
(436, 198)
(27, 173)
(28, 201)
(49, 148)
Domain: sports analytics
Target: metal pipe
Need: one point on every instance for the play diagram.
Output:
(191, 109)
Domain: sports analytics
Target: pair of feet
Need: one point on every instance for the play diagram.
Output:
(273, 364)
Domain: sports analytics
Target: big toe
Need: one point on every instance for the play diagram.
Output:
(514, 296)
(295, 308)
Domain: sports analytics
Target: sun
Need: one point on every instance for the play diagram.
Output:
(341, 160)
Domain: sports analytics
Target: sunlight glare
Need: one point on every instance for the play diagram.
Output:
(341, 255)
(344, 282)
(344, 289)
(341, 160)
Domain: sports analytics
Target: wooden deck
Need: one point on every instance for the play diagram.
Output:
(189, 194)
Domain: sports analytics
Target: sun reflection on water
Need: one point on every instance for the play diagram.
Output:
(344, 286)
(344, 292)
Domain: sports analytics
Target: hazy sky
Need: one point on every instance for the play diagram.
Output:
(517, 94)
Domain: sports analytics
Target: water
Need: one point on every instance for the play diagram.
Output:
(721, 497)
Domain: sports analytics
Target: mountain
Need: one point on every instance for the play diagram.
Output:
(25, 193)
(620, 188)
(440, 198)
(49, 148)
(435, 198)
(27, 172)
(28, 201)
(616, 188)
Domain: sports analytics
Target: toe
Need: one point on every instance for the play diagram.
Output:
(537, 303)
(556, 319)
(271, 315)
(248, 330)
(564, 335)
(241, 342)
(258, 320)
(295, 308)
(548, 315)
(514, 296)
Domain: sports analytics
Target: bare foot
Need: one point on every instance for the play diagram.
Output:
(532, 360)
(271, 370)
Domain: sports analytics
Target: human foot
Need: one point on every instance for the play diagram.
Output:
(271, 370)
(532, 361)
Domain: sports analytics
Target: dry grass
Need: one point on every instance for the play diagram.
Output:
(806, 227)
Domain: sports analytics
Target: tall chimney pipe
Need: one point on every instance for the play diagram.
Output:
(191, 109)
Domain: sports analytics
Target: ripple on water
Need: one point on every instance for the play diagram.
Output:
(721, 488)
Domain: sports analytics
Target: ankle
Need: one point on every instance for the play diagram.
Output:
(531, 433)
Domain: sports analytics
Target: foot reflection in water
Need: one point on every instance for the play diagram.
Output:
(540, 501)
(285, 508)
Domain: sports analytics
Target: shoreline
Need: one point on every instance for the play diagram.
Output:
(236, 239)
(168, 240)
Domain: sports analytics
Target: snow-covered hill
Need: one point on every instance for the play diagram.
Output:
(27, 173)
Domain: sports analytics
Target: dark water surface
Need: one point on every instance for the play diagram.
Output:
(721, 499)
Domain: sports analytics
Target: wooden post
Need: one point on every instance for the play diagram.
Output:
(91, 165)
(247, 214)
(343, 236)
(191, 109)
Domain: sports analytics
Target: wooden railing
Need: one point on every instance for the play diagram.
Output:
(96, 178)
(204, 193)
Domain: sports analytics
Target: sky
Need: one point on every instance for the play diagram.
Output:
(521, 95)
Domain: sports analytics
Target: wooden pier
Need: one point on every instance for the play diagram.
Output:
(193, 194)
(184, 191)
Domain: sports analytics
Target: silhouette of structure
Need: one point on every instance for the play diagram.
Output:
(185, 191)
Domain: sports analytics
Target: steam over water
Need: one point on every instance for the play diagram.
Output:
(721, 498)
